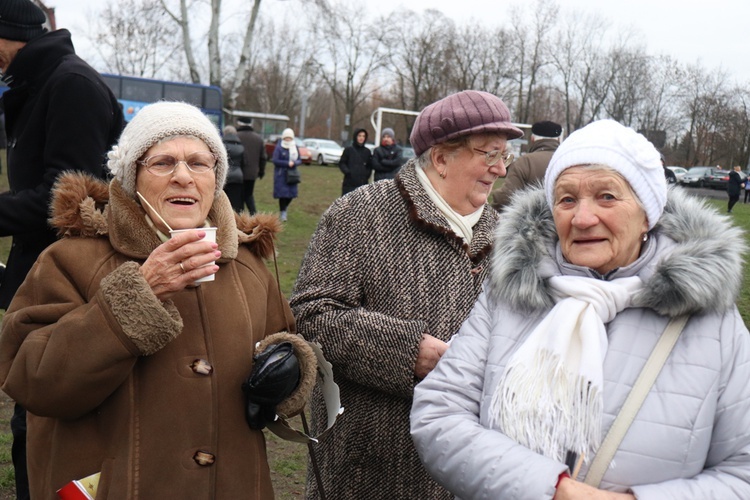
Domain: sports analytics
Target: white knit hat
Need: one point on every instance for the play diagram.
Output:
(287, 133)
(606, 142)
(154, 123)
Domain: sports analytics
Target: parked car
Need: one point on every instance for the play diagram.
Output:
(408, 152)
(324, 151)
(697, 176)
(370, 146)
(679, 173)
(304, 153)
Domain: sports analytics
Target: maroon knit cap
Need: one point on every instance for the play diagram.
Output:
(465, 113)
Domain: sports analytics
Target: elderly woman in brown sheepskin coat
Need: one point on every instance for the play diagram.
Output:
(129, 347)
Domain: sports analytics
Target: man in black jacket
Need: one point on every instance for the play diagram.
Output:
(387, 158)
(356, 163)
(255, 161)
(59, 115)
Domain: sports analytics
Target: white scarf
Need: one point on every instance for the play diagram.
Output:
(550, 397)
(462, 225)
(293, 154)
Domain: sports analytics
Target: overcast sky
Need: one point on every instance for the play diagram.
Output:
(715, 33)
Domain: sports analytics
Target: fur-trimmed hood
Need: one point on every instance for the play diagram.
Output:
(691, 264)
(87, 207)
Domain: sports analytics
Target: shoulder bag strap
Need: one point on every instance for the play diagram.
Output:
(635, 399)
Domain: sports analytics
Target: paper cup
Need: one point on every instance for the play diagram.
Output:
(210, 236)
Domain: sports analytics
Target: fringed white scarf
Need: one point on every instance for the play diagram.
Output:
(462, 225)
(550, 397)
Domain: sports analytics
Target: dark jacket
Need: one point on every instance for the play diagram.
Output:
(281, 163)
(734, 185)
(236, 154)
(355, 164)
(59, 115)
(255, 153)
(525, 171)
(386, 161)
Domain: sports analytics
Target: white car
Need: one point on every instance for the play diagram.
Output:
(679, 173)
(324, 151)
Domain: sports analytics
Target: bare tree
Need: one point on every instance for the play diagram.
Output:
(183, 22)
(529, 55)
(417, 56)
(243, 66)
(354, 55)
(132, 37)
(475, 64)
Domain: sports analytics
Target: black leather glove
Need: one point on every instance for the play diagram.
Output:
(274, 377)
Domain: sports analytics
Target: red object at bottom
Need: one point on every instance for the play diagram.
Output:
(73, 491)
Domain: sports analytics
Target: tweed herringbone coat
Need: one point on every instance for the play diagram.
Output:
(382, 268)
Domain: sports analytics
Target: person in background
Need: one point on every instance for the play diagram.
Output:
(254, 164)
(587, 273)
(129, 366)
(747, 189)
(236, 154)
(734, 187)
(391, 272)
(285, 156)
(530, 168)
(59, 115)
(669, 175)
(387, 158)
(3, 142)
(356, 163)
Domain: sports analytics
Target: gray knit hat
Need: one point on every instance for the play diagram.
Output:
(155, 122)
(389, 132)
(20, 20)
(465, 113)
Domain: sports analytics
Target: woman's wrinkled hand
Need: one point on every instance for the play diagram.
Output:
(570, 489)
(431, 350)
(178, 262)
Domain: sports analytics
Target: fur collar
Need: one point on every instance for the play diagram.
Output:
(84, 206)
(697, 267)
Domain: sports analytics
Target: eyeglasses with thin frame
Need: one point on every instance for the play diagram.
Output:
(492, 157)
(200, 162)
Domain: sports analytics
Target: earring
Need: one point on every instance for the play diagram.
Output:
(644, 237)
(443, 174)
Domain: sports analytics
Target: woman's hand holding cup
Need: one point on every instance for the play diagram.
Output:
(186, 258)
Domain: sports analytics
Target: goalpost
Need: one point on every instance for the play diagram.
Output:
(376, 119)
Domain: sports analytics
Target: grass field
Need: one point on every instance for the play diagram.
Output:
(320, 186)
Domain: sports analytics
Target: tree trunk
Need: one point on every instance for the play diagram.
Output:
(214, 57)
(241, 73)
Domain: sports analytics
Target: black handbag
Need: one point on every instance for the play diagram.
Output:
(275, 375)
(293, 176)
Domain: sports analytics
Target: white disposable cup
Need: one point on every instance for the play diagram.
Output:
(210, 236)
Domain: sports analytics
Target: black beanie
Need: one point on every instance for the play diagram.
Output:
(20, 20)
(546, 129)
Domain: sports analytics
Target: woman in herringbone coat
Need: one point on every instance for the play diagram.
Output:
(392, 271)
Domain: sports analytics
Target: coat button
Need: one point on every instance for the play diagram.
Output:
(202, 367)
(204, 458)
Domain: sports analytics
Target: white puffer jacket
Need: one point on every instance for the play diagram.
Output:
(691, 438)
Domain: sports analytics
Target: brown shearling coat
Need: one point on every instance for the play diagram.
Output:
(116, 381)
